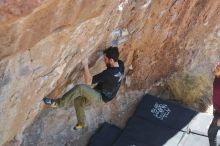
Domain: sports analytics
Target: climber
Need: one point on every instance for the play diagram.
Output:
(107, 84)
(215, 125)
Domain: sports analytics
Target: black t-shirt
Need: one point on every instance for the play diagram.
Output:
(108, 81)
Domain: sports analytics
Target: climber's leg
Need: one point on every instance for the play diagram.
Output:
(77, 91)
(79, 104)
(60, 102)
(213, 130)
(89, 95)
(82, 95)
(81, 90)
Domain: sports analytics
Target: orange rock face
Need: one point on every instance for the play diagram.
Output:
(171, 36)
(43, 42)
(13, 9)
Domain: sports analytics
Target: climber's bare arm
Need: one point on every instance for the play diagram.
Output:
(87, 74)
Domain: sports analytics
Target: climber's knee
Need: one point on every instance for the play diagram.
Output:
(80, 101)
(78, 87)
(77, 101)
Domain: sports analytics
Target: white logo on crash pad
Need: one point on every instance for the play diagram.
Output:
(160, 111)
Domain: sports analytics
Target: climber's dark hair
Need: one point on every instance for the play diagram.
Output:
(112, 53)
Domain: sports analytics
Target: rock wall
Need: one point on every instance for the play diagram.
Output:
(42, 43)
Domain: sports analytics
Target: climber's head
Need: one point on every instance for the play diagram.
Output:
(111, 55)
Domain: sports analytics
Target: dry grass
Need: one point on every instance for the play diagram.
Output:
(192, 90)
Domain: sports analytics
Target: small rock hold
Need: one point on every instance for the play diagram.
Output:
(114, 43)
(45, 78)
(130, 67)
(125, 32)
(218, 33)
(116, 33)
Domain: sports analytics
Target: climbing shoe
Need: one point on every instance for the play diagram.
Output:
(50, 102)
(79, 126)
(54, 105)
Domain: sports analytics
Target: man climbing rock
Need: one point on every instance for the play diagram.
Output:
(215, 125)
(107, 84)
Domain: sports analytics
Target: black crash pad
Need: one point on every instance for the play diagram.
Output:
(106, 135)
(164, 112)
(140, 132)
